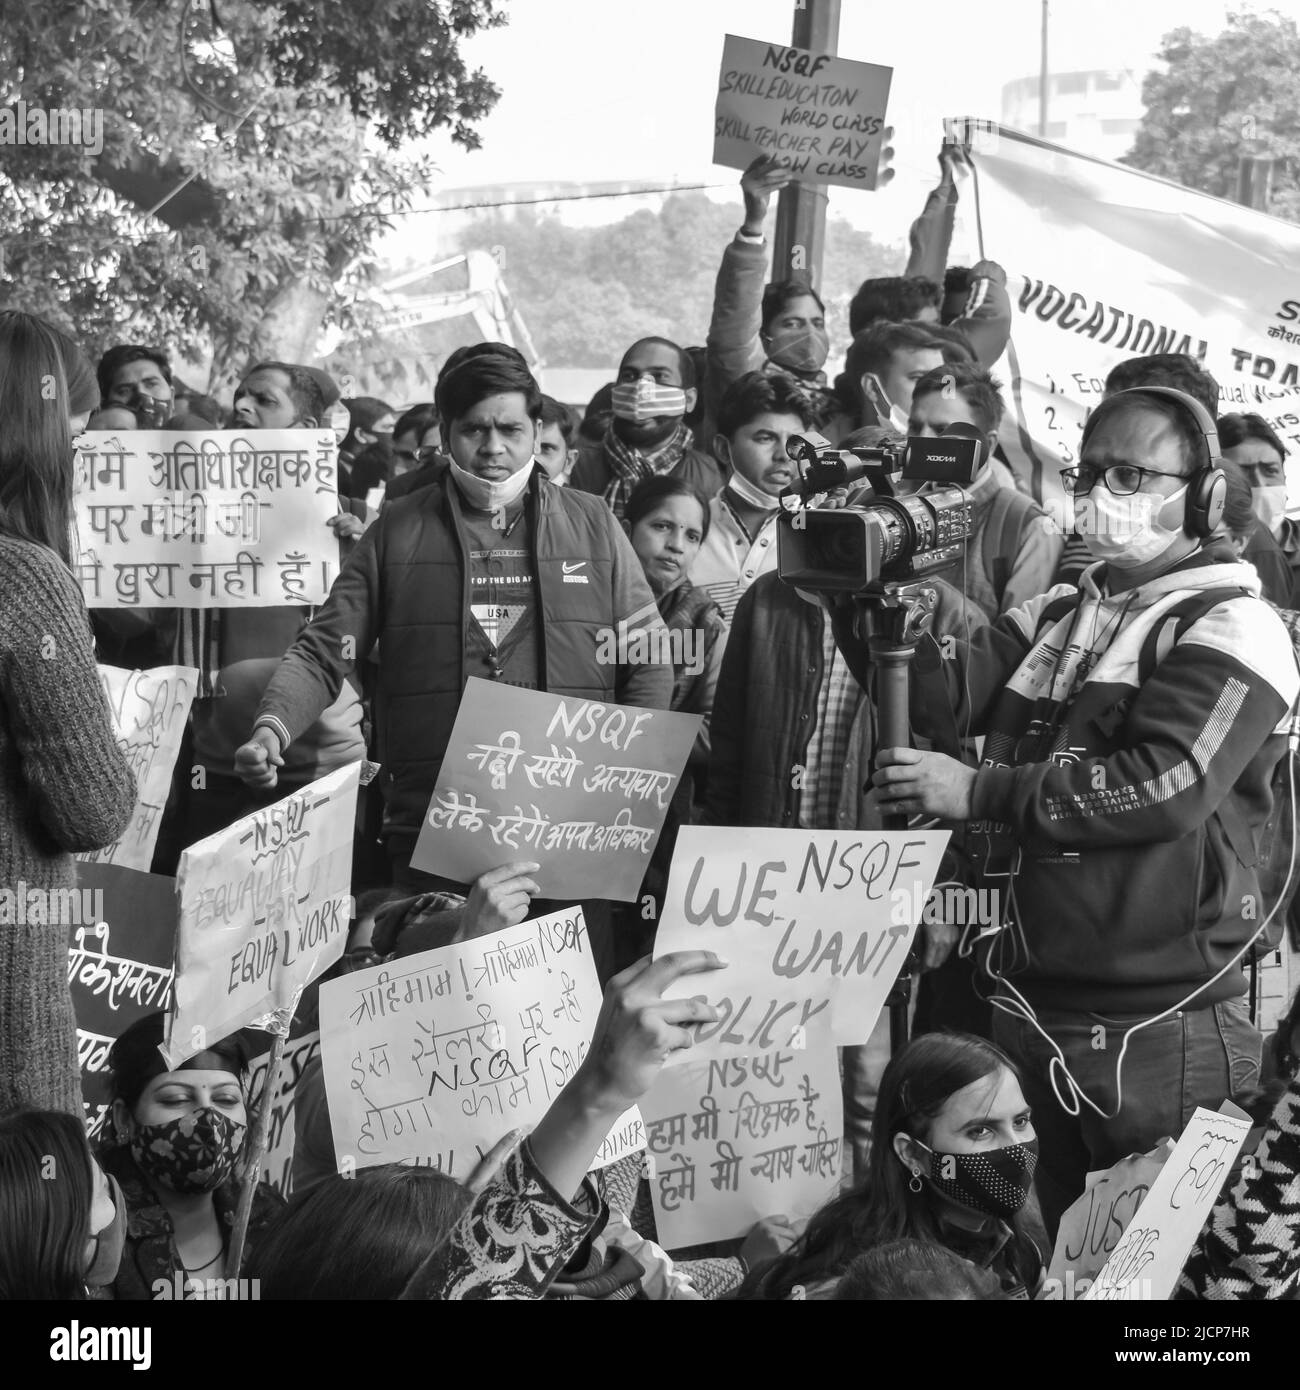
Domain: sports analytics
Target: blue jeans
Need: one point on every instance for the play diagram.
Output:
(1200, 1057)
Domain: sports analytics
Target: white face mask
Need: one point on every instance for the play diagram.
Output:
(897, 418)
(1269, 505)
(750, 494)
(487, 496)
(1125, 531)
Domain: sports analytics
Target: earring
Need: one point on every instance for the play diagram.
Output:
(916, 1184)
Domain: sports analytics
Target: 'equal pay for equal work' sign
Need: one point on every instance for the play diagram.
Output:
(814, 925)
(579, 787)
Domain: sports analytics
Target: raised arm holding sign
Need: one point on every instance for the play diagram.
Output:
(826, 114)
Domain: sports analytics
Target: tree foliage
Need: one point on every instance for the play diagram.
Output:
(587, 293)
(250, 159)
(1220, 98)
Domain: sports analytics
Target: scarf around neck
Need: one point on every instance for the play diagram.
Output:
(629, 466)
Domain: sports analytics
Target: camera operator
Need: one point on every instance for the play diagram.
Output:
(792, 735)
(1131, 727)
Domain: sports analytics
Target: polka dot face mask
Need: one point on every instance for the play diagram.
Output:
(995, 1182)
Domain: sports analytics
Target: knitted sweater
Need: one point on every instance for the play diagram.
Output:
(64, 786)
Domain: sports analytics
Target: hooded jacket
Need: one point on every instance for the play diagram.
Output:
(1125, 778)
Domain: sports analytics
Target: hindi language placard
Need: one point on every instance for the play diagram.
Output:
(121, 939)
(1093, 1225)
(437, 1056)
(206, 519)
(149, 710)
(739, 1139)
(264, 908)
(577, 786)
(1149, 1256)
(814, 926)
(825, 114)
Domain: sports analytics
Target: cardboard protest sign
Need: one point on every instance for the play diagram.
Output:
(1149, 1257)
(827, 114)
(1104, 263)
(741, 1139)
(1092, 1228)
(206, 519)
(277, 1161)
(579, 787)
(437, 1056)
(149, 710)
(814, 925)
(119, 965)
(264, 909)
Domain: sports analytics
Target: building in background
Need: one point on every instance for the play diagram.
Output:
(1097, 112)
(429, 311)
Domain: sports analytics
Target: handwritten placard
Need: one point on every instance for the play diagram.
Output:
(265, 908)
(814, 925)
(436, 1056)
(212, 519)
(277, 1161)
(579, 787)
(825, 114)
(743, 1138)
(1092, 1228)
(1149, 1256)
(149, 710)
(121, 938)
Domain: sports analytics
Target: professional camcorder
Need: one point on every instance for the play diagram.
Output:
(883, 537)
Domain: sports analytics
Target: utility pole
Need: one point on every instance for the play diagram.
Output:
(1042, 79)
(800, 237)
(1255, 180)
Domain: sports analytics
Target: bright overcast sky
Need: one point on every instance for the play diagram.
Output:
(595, 90)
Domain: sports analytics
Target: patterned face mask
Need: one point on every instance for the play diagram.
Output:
(644, 400)
(995, 1182)
(195, 1153)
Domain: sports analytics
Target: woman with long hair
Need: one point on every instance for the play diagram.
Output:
(63, 1221)
(64, 783)
(180, 1139)
(953, 1153)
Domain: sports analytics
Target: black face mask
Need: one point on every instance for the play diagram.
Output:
(996, 1182)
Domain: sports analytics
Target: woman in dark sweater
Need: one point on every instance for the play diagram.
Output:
(64, 784)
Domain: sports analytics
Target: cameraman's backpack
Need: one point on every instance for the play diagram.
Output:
(1272, 851)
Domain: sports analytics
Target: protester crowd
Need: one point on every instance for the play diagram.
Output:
(1099, 716)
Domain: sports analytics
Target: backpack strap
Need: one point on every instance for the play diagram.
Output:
(1169, 631)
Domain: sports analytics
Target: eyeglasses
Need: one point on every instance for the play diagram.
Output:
(361, 958)
(1121, 479)
(426, 455)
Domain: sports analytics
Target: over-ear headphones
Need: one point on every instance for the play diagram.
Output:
(1207, 489)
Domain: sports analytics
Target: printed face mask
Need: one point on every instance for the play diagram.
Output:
(487, 496)
(805, 351)
(644, 400)
(1124, 531)
(195, 1153)
(995, 1182)
(109, 1243)
(1270, 505)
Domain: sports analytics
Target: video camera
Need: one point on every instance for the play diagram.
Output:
(886, 538)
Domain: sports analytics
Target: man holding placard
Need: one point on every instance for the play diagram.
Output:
(487, 572)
